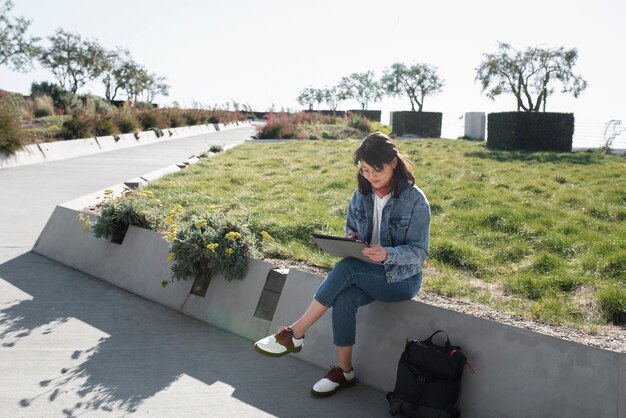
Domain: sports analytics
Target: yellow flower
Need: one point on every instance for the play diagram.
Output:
(232, 235)
(86, 228)
(229, 251)
(212, 246)
(170, 258)
(266, 236)
(164, 283)
(79, 217)
(108, 191)
(201, 223)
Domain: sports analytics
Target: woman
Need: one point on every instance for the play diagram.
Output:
(389, 212)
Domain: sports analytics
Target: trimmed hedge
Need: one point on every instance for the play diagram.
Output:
(372, 115)
(530, 131)
(422, 124)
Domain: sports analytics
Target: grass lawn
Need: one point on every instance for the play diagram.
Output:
(538, 234)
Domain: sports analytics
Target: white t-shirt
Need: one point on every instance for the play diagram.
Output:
(379, 204)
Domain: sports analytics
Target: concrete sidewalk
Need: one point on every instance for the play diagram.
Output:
(72, 345)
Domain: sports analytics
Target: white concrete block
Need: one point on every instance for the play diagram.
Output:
(127, 140)
(231, 305)
(59, 150)
(108, 143)
(191, 161)
(475, 125)
(153, 175)
(29, 154)
(135, 183)
(146, 137)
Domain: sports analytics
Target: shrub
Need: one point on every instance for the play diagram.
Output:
(150, 119)
(216, 148)
(56, 93)
(279, 126)
(175, 118)
(194, 117)
(43, 106)
(360, 122)
(530, 131)
(421, 124)
(118, 214)
(105, 126)
(11, 133)
(78, 126)
(211, 245)
(126, 122)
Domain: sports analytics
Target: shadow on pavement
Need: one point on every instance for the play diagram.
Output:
(103, 349)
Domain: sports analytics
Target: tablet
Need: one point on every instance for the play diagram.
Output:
(342, 247)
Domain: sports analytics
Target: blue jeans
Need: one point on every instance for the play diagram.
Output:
(353, 283)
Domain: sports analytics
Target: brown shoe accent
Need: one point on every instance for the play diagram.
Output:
(284, 337)
(335, 375)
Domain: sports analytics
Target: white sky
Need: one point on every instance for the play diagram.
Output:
(266, 51)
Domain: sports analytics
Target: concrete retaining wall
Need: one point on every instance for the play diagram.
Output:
(231, 305)
(137, 265)
(519, 373)
(51, 151)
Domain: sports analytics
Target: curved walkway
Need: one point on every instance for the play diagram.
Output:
(72, 345)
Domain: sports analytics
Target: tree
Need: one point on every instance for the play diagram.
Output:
(136, 78)
(114, 74)
(416, 81)
(156, 86)
(73, 60)
(361, 87)
(308, 97)
(332, 97)
(528, 74)
(16, 49)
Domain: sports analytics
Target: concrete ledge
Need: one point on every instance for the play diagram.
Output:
(51, 151)
(153, 175)
(518, 372)
(67, 149)
(231, 305)
(137, 265)
(30, 154)
(107, 143)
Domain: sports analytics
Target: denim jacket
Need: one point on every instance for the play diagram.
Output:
(404, 229)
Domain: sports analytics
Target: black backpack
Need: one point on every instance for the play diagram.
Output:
(428, 380)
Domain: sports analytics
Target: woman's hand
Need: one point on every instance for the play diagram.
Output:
(353, 235)
(375, 253)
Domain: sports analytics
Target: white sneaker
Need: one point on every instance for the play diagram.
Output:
(335, 380)
(279, 344)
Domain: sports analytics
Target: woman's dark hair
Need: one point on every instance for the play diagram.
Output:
(378, 149)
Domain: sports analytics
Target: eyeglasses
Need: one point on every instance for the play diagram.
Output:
(370, 173)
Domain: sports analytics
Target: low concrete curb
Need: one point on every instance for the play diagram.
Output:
(518, 372)
(52, 151)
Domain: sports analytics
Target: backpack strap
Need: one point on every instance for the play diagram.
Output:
(394, 404)
(429, 340)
